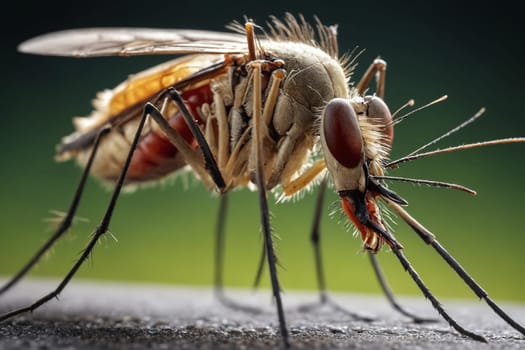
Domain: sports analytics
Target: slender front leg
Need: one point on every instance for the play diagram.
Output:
(257, 153)
(65, 223)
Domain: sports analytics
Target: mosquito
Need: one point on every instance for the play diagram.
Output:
(274, 112)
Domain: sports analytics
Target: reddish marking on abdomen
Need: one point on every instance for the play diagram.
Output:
(154, 149)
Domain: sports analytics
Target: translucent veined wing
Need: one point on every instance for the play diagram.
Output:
(94, 42)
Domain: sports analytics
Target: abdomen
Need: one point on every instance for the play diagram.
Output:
(155, 157)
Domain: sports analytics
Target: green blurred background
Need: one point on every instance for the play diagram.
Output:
(165, 234)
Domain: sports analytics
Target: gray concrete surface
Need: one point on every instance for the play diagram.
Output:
(126, 316)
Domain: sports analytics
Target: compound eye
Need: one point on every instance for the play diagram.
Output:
(378, 111)
(341, 133)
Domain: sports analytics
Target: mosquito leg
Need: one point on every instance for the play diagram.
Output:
(220, 235)
(396, 248)
(219, 245)
(430, 239)
(390, 295)
(408, 267)
(269, 106)
(65, 223)
(303, 180)
(315, 238)
(257, 153)
(211, 163)
(100, 230)
(475, 287)
(378, 68)
(202, 162)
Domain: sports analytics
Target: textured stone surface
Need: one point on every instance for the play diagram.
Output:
(127, 316)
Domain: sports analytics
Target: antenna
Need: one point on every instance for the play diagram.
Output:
(395, 163)
(450, 132)
(403, 117)
(427, 182)
(409, 103)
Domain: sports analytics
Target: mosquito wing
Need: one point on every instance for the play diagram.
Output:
(94, 42)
